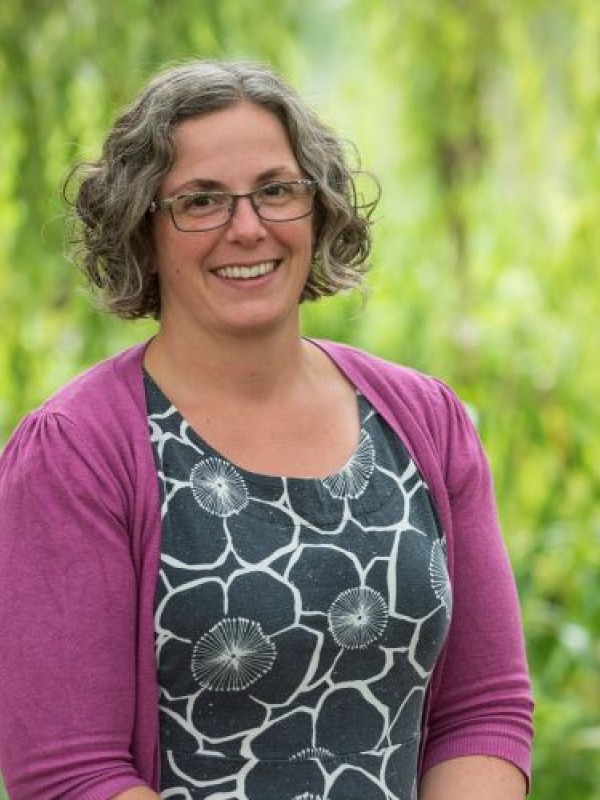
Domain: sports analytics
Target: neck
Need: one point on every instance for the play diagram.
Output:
(248, 368)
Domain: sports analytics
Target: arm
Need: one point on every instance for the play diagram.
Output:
(481, 697)
(473, 778)
(139, 793)
(68, 616)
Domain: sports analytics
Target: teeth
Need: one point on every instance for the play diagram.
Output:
(245, 273)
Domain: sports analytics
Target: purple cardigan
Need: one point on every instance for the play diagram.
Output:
(79, 552)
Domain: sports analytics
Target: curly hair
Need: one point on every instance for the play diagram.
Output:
(114, 193)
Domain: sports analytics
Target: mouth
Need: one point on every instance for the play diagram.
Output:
(246, 272)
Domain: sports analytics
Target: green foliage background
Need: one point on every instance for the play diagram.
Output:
(482, 120)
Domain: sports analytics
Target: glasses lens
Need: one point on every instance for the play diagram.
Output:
(201, 210)
(286, 200)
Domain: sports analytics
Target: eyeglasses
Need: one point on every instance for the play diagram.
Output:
(282, 201)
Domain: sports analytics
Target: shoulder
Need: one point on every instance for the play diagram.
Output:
(403, 388)
(425, 412)
(358, 362)
(96, 416)
(100, 393)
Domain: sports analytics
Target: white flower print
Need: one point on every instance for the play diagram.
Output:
(232, 655)
(438, 573)
(307, 796)
(312, 752)
(218, 487)
(353, 479)
(357, 618)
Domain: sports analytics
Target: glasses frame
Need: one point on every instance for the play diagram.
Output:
(167, 203)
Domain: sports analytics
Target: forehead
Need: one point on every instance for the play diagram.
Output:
(233, 145)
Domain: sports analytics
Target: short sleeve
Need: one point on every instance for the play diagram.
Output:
(68, 618)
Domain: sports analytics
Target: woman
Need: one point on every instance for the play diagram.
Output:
(301, 558)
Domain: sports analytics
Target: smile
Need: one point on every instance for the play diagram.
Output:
(246, 272)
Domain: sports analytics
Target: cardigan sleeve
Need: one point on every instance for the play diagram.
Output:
(68, 618)
(481, 702)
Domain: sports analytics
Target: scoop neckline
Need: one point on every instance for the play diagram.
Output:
(362, 407)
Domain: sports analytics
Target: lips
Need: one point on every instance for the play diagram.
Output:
(246, 272)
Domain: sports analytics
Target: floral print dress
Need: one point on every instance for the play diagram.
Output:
(297, 621)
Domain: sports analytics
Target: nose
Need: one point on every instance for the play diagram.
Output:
(245, 224)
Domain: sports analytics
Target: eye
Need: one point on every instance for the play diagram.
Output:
(199, 201)
(200, 204)
(276, 191)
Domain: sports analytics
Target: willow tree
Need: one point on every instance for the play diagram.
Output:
(482, 120)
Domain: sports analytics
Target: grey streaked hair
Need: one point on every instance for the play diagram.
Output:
(114, 193)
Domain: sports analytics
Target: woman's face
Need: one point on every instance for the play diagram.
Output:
(235, 150)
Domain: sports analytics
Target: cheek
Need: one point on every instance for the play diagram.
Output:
(174, 250)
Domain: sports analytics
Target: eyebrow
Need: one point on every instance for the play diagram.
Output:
(273, 173)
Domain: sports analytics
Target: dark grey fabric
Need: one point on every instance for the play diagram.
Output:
(297, 620)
